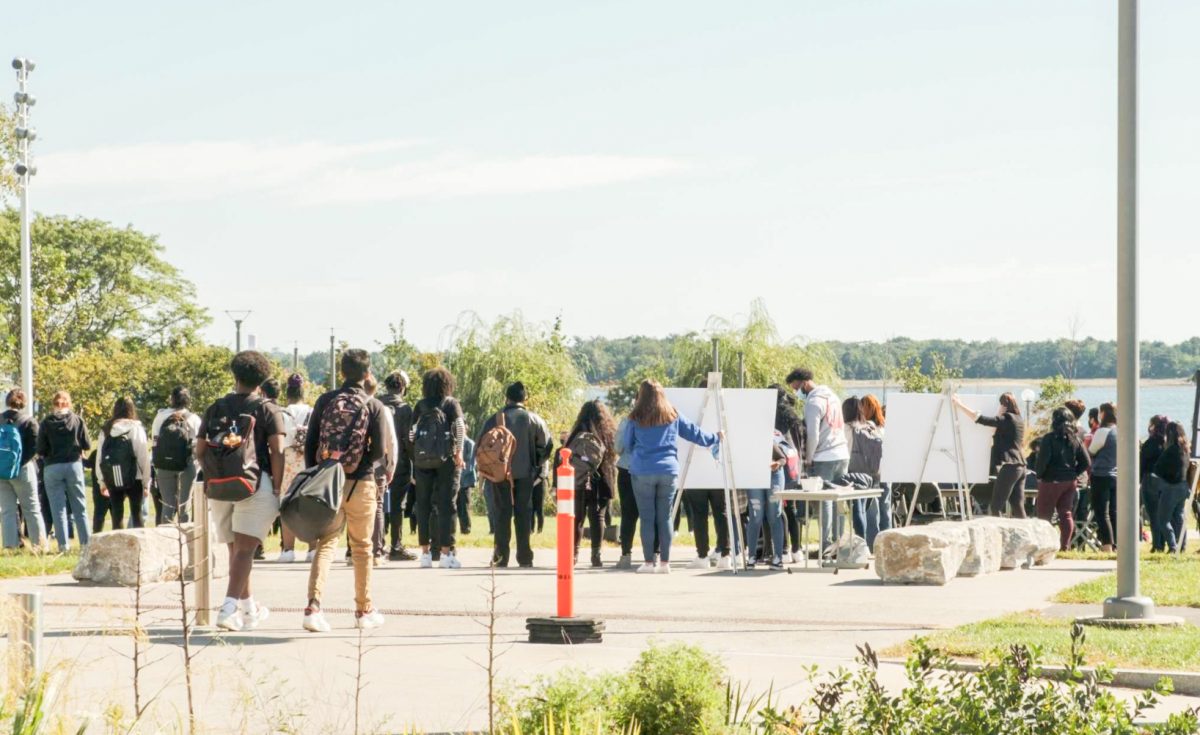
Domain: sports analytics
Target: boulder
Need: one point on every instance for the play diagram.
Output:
(1018, 538)
(1045, 534)
(148, 555)
(929, 554)
(985, 549)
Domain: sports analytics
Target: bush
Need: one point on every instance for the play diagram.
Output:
(570, 696)
(673, 689)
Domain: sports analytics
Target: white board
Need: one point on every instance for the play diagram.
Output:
(750, 415)
(910, 418)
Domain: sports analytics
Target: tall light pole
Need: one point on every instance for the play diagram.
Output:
(332, 362)
(25, 170)
(238, 317)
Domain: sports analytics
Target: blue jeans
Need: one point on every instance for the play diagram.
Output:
(760, 502)
(831, 523)
(655, 496)
(871, 517)
(64, 489)
(1171, 502)
(1151, 492)
(22, 491)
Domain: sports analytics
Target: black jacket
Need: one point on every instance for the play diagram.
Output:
(1009, 440)
(1172, 465)
(402, 415)
(376, 432)
(1061, 458)
(1151, 450)
(62, 438)
(27, 427)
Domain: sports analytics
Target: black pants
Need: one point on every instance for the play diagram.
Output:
(1104, 508)
(117, 498)
(792, 517)
(698, 503)
(629, 512)
(1009, 489)
(156, 497)
(436, 490)
(589, 506)
(47, 515)
(537, 504)
(378, 547)
(101, 509)
(512, 508)
(464, 510)
(401, 495)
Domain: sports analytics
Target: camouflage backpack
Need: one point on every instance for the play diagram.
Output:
(343, 434)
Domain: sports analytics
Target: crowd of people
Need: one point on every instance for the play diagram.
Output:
(418, 465)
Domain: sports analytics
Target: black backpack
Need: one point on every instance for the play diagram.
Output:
(118, 464)
(174, 444)
(431, 438)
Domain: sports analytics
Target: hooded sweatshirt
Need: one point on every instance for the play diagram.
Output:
(141, 447)
(62, 438)
(27, 427)
(826, 435)
(163, 414)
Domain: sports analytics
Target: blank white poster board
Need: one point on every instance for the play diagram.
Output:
(750, 415)
(910, 419)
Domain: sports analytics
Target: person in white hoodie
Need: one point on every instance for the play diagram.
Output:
(826, 453)
(174, 454)
(124, 462)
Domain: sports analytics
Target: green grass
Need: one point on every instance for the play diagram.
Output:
(1175, 648)
(1171, 581)
(30, 564)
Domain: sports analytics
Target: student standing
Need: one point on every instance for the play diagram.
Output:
(349, 425)
(651, 436)
(243, 524)
(384, 468)
(1008, 455)
(514, 499)
(62, 441)
(826, 453)
(466, 482)
(791, 427)
(866, 455)
(1061, 458)
(124, 462)
(1152, 448)
(400, 492)
(19, 486)
(1171, 472)
(1104, 477)
(629, 510)
(296, 415)
(175, 430)
(437, 446)
(592, 441)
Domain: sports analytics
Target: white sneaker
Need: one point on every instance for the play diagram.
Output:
(370, 620)
(229, 618)
(700, 562)
(714, 554)
(251, 620)
(315, 622)
(662, 568)
(312, 554)
(285, 557)
(426, 560)
(725, 562)
(646, 568)
(449, 561)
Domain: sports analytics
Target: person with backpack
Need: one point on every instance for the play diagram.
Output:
(1061, 458)
(466, 482)
(1104, 477)
(101, 504)
(295, 415)
(791, 427)
(651, 436)
(241, 456)
(592, 442)
(1008, 455)
(437, 437)
(174, 456)
(124, 462)
(511, 452)
(400, 493)
(349, 427)
(826, 452)
(18, 474)
(62, 442)
(865, 439)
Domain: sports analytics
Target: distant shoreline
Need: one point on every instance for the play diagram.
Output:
(1032, 382)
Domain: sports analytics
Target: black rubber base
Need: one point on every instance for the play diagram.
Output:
(565, 630)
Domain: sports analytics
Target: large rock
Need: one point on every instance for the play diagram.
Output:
(1046, 536)
(929, 554)
(1018, 538)
(985, 549)
(146, 555)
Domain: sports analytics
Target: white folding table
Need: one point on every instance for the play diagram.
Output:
(838, 497)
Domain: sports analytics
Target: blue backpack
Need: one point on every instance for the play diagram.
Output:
(10, 451)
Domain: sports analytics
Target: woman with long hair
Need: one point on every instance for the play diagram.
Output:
(1104, 477)
(592, 441)
(174, 449)
(62, 442)
(651, 435)
(1152, 448)
(876, 512)
(1171, 472)
(790, 426)
(1008, 454)
(124, 462)
(1061, 458)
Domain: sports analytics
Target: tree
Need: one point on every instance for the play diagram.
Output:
(914, 378)
(93, 282)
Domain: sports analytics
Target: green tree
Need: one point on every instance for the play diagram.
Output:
(621, 396)
(1052, 394)
(913, 377)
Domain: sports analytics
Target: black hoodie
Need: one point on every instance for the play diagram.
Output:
(402, 415)
(62, 438)
(27, 427)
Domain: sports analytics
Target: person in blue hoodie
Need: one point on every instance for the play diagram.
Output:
(650, 436)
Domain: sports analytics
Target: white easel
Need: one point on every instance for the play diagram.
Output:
(714, 394)
(962, 491)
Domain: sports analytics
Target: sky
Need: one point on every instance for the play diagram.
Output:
(930, 168)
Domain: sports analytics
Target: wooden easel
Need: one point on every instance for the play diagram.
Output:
(962, 491)
(714, 394)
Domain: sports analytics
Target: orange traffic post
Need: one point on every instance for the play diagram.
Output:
(565, 627)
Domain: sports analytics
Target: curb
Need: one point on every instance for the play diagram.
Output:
(1186, 683)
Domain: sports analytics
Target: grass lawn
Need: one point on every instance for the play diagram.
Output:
(1171, 581)
(1149, 648)
(28, 564)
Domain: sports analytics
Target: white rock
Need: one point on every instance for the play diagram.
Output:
(122, 557)
(985, 550)
(1019, 539)
(1046, 535)
(929, 554)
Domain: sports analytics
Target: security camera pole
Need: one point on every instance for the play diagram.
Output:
(25, 171)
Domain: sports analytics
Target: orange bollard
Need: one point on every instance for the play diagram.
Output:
(566, 536)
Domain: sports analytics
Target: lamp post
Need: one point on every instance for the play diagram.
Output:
(25, 170)
(1028, 396)
(238, 317)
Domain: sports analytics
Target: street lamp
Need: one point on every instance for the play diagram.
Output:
(25, 170)
(238, 317)
(1028, 395)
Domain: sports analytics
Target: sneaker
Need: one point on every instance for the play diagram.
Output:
(662, 568)
(714, 554)
(646, 568)
(400, 554)
(315, 622)
(426, 560)
(725, 562)
(700, 562)
(377, 561)
(777, 563)
(750, 564)
(450, 561)
(286, 557)
(596, 562)
(625, 562)
(312, 554)
(368, 620)
(251, 620)
(229, 618)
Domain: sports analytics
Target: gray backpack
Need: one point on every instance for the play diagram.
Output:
(867, 450)
(310, 506)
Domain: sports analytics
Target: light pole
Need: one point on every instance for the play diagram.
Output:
(332, 362)
(25, 170)
(1029, 396)
(238, 317)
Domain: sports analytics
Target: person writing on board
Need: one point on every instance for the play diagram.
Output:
(1008, 457)
(826, 452)
(651, 437)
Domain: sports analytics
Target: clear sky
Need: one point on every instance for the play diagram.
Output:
(872, 169)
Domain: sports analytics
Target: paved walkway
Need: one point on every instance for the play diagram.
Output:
(424, 667)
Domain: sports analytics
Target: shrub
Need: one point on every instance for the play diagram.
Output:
(673, 689)
(570, 696)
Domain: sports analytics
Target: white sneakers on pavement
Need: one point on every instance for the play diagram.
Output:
(368, 620)
(700, 562)
(315, 622)
(312, 554)
(252, 618)
(663, 568)
(230, 617)
(725, 562)
(426, 561)
(449, 561)
(647, 568)
(286, 557)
